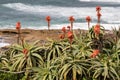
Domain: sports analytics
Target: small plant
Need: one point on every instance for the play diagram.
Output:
(10, 76)
(53, 49)
(46, 72)
(25, 56)
(104, 69)
(72, 66)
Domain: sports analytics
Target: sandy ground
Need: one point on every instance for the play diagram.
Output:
(29, 35)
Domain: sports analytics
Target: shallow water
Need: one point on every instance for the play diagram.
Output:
(4, 44)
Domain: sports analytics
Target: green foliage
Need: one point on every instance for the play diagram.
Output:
(81, 45)
(21, 61)
(46, 72)
(72, 66)
(9, 76)
(53, 49)
(4, 62)
(96, 41)
(92, 34)
(60, 60)
(116, 33)
(104, 69)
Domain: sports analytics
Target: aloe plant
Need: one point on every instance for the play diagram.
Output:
(104, 69)
(22, 61)
(53, 49)
(73, 66)
(116, 33)
(4, 62)
(92, 34)
(113, 51)
(46, 72)
(96, 40)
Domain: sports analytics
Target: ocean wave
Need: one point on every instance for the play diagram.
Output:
(51, 10)
(109, 14)
(59, 26)
(114, 22)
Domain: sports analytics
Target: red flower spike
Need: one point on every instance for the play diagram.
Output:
(68, 28)
(25, 51)
(98, 8)
(97, 29)
(64, 29)
(18, 25)
(70, 35)
(48, 18)
(99, 15)
(95, 53)
(62, 36)
(71, 19)
(92, 55)
(88, 19)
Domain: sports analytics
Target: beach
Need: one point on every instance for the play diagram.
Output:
(30, 35)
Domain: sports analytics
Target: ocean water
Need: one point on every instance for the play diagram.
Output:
(32, 13)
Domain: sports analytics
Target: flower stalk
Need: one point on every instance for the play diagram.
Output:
(48, 19)
(18, 27)
(71, 19)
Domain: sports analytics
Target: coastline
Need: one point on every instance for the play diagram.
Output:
(31, 35)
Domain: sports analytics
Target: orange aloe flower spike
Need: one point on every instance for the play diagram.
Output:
(25, 51)
(97, 29)
(71, 19)
(48, 19)
(70, 35)
(88, 19)
(61, 36)
(18, 25)
(95, 53)
(98, 8)
(64, 29)
(68, 28)
(99, 15)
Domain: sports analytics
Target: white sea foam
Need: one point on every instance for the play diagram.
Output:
(109, 14)
(4, 44)
(84, 26)
(59, 26)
